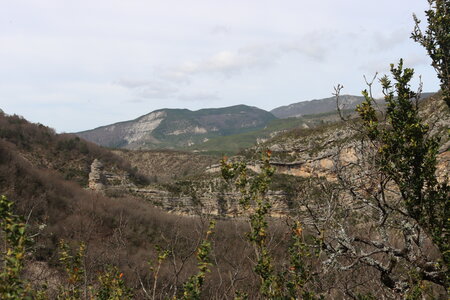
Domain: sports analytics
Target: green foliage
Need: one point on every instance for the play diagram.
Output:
(74, 266)
(112, 286)
(14, 231)
(193, 287)
(366, 297)
(253, 191)
(419, 289)
(240, 296)
(235, 143)
(290, 283)
(232, 144)
(408, 156)
(298, 273)
(162, 256)
(436, 40)
(368, 115)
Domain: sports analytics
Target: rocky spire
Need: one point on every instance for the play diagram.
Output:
(96, 176)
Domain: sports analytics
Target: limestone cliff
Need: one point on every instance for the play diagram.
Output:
(96, 176)
(178, 128)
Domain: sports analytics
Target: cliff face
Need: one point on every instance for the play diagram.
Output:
(319, 151)
(303, 153)
(178, 128)
(96, 176)
(221, 204)
(208, 195)
(125, 133)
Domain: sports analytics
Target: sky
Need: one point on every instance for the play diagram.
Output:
(77, 65)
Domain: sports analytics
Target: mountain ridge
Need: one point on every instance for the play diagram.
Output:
(178, 128)
(194, 130)
(315, 106)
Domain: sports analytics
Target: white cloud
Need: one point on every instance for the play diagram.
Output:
(192, 54)
(220, 30)
(150, 89)
(314, 45)
(416, 61)
(158, 92)
(373, 66)
(199, 96)
(384, 41)
(250, 57)
(382, 65)
(133, 83)
(227, 62)
(167, 82)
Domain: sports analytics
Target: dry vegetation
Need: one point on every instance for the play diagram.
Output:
(125, 231)
(119, 231)
(65, 153)
(166, 165)
(379, 231)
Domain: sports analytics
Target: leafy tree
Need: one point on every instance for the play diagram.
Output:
(395, 181)
(436, 40)
(193, 287)
(74, 266)
(12, 286)
(407, 156)
(112, 286)
(291, 282)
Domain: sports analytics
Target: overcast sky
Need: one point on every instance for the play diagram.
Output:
(76, 65)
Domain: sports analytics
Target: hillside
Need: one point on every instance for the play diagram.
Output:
(316, 106)
(166, 165)
(120, 231)
(235, 143)
(66, 154)
(314, 151)
(323, 106)
(178, 128)
(216, 131)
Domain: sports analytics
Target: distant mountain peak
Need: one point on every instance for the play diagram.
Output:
(178, 128)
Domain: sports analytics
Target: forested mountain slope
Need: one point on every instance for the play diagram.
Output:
(178, 128)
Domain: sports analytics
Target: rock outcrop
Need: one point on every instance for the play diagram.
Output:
(96, 177)
(102, 180)
(216, 203)
(318, 152)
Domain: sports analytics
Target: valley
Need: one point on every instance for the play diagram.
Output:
(175, 183)
(63, 179)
